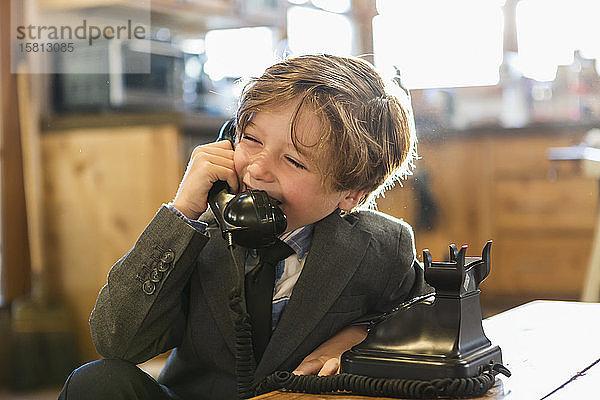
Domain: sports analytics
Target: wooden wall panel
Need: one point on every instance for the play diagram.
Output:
(540, 214)
(560, 205)
(101, 186)
(15, 264)
(525, 156)
(546, 267)
(458, 175)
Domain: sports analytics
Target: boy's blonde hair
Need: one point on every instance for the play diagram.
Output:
(367, 139)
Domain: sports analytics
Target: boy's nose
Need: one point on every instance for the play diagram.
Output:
(260, 169)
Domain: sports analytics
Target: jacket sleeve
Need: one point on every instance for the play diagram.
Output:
(141, 311)
(406, 280)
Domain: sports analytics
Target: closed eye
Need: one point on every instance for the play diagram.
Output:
(250, 138)
(295, 163)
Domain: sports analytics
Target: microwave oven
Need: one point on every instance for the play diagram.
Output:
(120, 87)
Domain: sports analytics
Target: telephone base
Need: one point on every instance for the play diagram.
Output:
(417, 366)
(432, 337)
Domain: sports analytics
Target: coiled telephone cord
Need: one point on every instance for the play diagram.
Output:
(245, 366)
(381, 387)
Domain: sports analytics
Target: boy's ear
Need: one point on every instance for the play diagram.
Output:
(351, 199)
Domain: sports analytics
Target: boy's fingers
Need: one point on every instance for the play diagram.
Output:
(226, 174)
(219, 167)
(224, 144)
(215, 159)
(330, 367)
(217, 151)
(309, 367)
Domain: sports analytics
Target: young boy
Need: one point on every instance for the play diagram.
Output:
(320, 134)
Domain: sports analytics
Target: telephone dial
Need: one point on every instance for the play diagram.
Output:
(430, 346)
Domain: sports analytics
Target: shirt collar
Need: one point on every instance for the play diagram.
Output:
(299, 239)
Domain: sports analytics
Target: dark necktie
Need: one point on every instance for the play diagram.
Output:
(259, 294)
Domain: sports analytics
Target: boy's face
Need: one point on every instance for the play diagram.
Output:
(265, 159)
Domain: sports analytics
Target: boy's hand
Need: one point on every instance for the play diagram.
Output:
(208, 164)
(325, 360)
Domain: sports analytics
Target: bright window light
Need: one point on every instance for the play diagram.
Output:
(336, 6)
(549, 31)
(193, 46)
(315, 31)
(238, 52)
(439, 43)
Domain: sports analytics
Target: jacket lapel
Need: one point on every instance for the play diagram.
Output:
(217, 282)
(336, 251)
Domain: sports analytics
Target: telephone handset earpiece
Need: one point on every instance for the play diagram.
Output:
(250, 219)
(227, 132)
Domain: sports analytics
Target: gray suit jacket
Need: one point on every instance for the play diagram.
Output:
(171, 291)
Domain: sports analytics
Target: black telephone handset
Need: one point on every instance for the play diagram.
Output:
(250, 219)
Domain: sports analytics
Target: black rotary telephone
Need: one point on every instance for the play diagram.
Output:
(437, 335)
(250, 219)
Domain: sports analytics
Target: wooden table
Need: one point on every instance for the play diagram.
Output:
(551, 347)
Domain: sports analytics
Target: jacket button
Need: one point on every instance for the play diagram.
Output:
(148, 287)
(167, 257)
(163, 267)
(156, 275)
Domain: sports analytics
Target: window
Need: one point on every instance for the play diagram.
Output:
(439, 43)
(549, 31)
(315, 31)
(238, 52)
